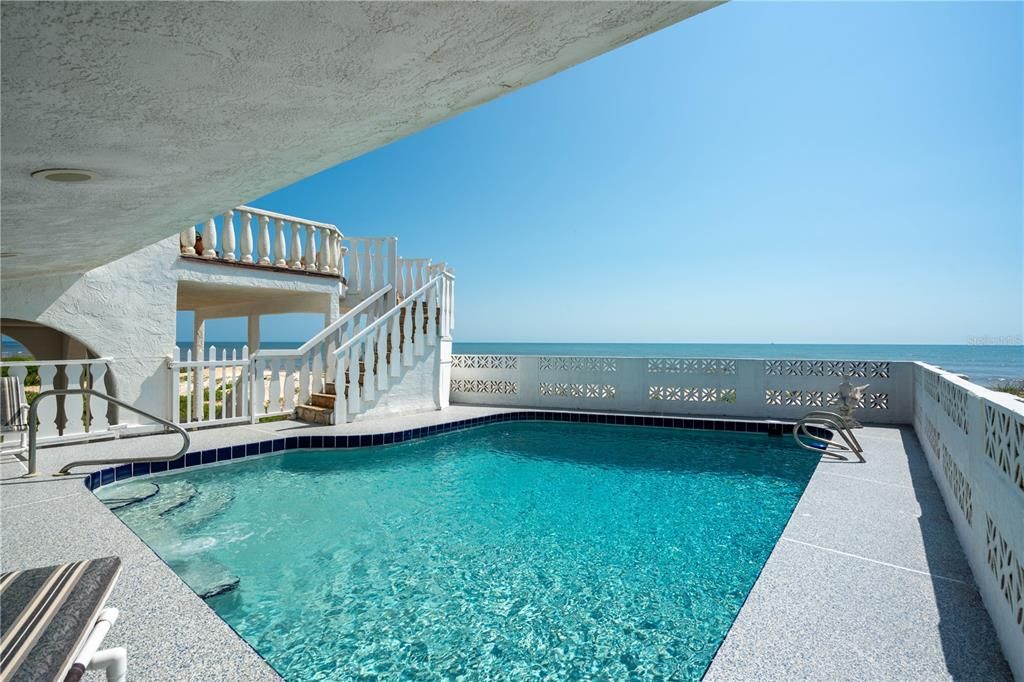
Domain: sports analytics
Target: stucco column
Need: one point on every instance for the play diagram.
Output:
(254, 333)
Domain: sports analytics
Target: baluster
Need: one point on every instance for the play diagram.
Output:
(336, 247)
(431, 310)
(365, 272)
(242, 387)
(211, 384)
(326, 249)
(197, 385)
(408, 327)
(382, 357)
(47, 413)
(210, 239)
(311, 252)
(187, 239)
(259, 387)
(264, 241)
(354, 402)
(228, 239)
(98, 406)
(275, 387)
(279, 245)
(74, 406)
(188, 387)
(340, 400)
(289, 385)
(354, 269)
(305, 376)
(340, 256)
(378, 265)
(369, 369)
(296, 254)
(396, 346)
(421, 302)
(246, 236)
(228, 389)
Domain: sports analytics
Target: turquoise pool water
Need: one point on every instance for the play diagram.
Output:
(513, 551)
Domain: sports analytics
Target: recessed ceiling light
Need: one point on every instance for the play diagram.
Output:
(64, 175)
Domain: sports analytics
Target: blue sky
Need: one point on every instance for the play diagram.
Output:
(777, 172)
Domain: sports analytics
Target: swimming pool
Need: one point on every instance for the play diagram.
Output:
(512, 551)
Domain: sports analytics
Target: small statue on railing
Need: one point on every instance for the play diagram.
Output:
(850, 397)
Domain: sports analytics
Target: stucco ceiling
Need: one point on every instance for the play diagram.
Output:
(184, 109)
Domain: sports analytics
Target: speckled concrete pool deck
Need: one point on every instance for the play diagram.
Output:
(868, 581)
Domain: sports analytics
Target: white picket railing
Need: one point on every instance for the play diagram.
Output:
(371, 264)
(368, 361)
(68, 417)
(305, 245)
(210, 390)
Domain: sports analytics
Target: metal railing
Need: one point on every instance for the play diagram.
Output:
(829, 420)
(32, 467)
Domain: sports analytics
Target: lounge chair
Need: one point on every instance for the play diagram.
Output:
(13, 414)
(54, 620)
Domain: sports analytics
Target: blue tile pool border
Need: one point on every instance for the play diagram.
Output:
(216, 455)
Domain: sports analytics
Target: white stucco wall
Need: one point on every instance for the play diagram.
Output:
(415, 391)
(772, 389)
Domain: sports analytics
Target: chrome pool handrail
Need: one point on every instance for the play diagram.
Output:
(33, 469)
(834, 422)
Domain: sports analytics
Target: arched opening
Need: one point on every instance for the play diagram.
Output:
(48, 358)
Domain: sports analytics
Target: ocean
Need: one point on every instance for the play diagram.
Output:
(987, 365)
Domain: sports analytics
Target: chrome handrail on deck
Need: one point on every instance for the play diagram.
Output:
(33, 469)
(833, 421)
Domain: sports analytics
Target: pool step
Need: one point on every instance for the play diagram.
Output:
(207, 578)
(203, 506)
(120, 496)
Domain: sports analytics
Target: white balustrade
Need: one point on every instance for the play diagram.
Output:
(319, 249)
(210, 391)
(66, 417)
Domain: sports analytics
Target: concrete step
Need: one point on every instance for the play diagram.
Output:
(329, 388)
(322, 400)
(314, 415)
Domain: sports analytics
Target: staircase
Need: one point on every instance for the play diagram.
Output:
(393, 334)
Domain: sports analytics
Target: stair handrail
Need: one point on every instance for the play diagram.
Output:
(833, 421)
(33, 469)
(328, 330)
(407, 301)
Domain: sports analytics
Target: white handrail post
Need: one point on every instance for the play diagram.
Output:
(336, 251)
(296, 254)
(246, 241)
(210, 239)
(311, 251)
(326, 249)
(393, 273)
(340, 407)
(279, 245)
(263, 243)
(228, 236)
(187, 239)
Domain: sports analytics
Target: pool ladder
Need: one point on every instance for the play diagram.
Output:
(834, 422)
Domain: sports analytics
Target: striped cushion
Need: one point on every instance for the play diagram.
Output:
(12, 397)
(47, 615)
